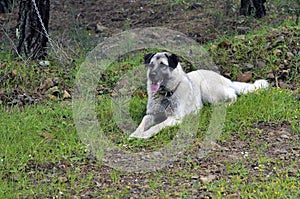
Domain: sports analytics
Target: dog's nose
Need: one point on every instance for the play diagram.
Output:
(152, 74)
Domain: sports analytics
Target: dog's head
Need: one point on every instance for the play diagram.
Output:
(160, 67)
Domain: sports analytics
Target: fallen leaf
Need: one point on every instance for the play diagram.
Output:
(224, 44)
(14, 73)
(277, 52)
(245, 77)
(3, 65)
(207, 179)
(54, 91)
(241, 37)
(261, 64)
(66, 95)
(48, 83)
(47, 136)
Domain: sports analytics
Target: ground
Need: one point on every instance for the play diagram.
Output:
(258, 156)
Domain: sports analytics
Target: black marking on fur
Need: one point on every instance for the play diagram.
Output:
(172, 60)
(148, 57)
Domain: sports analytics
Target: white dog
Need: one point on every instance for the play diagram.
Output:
(172, 93)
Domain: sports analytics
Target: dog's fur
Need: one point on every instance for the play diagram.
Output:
(172, 93)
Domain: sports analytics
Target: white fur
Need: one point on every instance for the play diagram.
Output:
(190, 92)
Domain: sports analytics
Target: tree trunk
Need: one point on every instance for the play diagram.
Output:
(247, 6)
(6, 6)
(32, 36)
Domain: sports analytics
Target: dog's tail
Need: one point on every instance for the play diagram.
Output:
(244, 88)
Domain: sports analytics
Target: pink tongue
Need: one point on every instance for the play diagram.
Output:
(155, 87)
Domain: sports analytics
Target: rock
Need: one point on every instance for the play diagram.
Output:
(44, 63)
(195, 177)
(245, 77)
(100, 28)
(290, 56)
(248, 66)
(281, 151)
(284, 136)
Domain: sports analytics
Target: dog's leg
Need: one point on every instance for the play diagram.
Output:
(170, 121)
(146, 122)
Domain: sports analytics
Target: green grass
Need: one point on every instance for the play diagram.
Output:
(45, 134)
(41, 155)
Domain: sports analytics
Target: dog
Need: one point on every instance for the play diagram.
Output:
(173, 94)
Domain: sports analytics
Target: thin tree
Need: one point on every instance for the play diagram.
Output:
(6, 6)
(247, 6)
(33, 27)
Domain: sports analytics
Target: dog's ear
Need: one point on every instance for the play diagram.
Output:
(172, 60)
(147, 57)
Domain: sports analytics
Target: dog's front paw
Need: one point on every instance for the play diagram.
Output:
(140, 135)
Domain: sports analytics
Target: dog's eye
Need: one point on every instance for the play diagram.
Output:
(149, 65)
(163, 66)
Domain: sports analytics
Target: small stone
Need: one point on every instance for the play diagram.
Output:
(195, 177)
(100, 28)
(290, 55)
(284, 136)
(280, 39)
(248, 66)
(281, 151)
(44, 63)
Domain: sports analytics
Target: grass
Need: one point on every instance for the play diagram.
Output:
(41, 155)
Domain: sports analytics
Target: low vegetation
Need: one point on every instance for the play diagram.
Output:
(256, 156)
